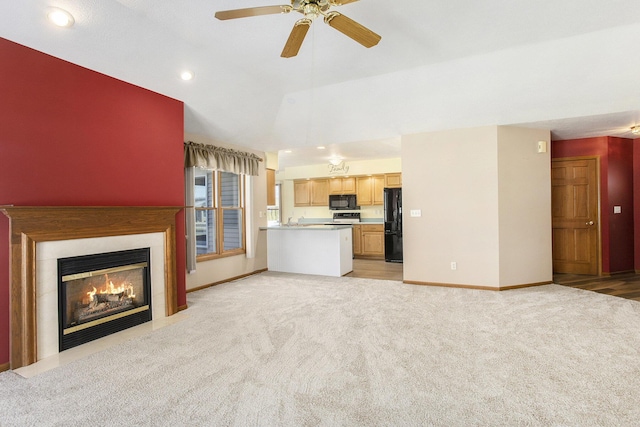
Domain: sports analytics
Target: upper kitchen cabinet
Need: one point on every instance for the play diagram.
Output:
(301, 194)
(313, 192)
(320, 192)
(378, 190)
(370, 190)
(271, 187)
(393, 180)
(342, 186)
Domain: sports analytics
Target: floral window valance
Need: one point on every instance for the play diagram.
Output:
(218, 158)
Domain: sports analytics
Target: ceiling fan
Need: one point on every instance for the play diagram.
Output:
(311, 9)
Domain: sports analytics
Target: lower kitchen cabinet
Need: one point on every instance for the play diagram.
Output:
(357, 240)
(368, 241)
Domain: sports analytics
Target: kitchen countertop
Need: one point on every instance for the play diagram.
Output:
(308, 227)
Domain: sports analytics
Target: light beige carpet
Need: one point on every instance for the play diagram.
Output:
(291, 350)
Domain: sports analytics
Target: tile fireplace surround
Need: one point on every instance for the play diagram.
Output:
(30, 225)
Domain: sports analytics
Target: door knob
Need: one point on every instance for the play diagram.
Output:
(589, 223)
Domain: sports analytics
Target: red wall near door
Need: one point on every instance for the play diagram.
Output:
(616, 189)
(636, 201)
(72, 136)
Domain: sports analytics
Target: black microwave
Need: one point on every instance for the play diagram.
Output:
(343, 202)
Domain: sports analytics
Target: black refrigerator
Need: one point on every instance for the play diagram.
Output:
(393, 224)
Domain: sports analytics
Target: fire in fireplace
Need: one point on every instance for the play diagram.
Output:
(102, 294)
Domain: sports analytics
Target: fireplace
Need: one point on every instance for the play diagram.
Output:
(101, 294)
(31, 315)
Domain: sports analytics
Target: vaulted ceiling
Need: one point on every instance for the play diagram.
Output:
(567, 65)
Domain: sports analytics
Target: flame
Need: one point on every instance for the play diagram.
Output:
(125, 288)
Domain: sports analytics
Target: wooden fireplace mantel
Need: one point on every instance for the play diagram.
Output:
(30, 225)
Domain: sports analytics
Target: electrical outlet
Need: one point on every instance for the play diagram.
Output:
(454, 265)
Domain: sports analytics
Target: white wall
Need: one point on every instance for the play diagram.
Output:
(213, 271)
(525, 206)
(452, 178)
(485, 199)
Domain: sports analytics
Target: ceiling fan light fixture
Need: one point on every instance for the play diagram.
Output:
(311, 11)
(635, 130)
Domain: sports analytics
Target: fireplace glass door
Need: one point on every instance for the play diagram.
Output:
(102, 294)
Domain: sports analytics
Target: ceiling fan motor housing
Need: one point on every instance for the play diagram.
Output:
(311, 8)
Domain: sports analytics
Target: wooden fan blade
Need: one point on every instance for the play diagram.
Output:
(252, 11)
(296, 38)
(351, 28)
(341, 2)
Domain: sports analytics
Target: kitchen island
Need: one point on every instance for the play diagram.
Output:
(310, 249)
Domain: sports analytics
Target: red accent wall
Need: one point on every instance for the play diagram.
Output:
(70, 136)
(636, 201)
(616, 189)
(621, 227)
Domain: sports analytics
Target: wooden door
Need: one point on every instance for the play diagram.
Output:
(575, 216)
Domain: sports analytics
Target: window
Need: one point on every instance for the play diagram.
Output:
(219, 212)
(273, 212)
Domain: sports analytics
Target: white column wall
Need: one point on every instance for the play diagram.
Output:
(452, 178)
(524, 177)
(485, 197)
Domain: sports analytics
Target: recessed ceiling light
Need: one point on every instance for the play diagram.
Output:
(287, 151)
(635, 130)
(321, 147)
(61, 18)
(187, 75)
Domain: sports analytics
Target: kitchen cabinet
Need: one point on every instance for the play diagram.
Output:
(368, 241)
(378, 190)
(342, 186)
(356, 238)
(320, 192)
(364, 192)
(271, 187)
(372, 240)
(301, 193)
(393, 180)
(312, 192)
(370, 190)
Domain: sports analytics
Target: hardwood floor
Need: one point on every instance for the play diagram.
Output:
(626, 285)
(620, 285)
(376, 269)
